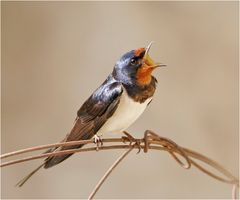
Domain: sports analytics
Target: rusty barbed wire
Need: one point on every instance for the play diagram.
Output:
(150, 141)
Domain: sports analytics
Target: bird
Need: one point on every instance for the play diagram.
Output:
(113, 106)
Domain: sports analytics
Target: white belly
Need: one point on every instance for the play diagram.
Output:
(126, 113)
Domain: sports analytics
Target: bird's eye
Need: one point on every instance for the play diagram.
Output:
(133, 61)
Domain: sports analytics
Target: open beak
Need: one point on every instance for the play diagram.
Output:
(149, 61)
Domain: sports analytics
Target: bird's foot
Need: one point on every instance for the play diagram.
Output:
(98, 141)
(129, 138)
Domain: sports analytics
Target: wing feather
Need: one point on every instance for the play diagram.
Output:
(91, 116)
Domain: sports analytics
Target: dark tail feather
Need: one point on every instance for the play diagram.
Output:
(80, 131)
(54, 160)
(51, 161)
(21, 182)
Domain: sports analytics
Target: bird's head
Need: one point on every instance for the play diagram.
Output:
(135, 67)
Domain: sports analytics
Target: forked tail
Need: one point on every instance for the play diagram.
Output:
(49, 162)
(22, 181)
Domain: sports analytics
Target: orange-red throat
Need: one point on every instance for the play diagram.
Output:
(144, 72)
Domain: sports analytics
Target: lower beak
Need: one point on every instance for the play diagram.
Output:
(160, 65)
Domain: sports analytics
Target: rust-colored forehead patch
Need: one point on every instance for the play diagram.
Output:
(137, 52)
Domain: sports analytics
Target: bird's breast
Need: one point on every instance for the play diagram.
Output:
(126, 113)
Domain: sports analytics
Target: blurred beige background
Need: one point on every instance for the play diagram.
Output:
(54, 54)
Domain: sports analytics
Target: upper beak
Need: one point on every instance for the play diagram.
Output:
(148, 61)
(148, 48)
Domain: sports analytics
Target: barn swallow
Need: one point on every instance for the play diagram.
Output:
(114, 106)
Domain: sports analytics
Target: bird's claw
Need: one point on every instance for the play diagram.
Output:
(129, 138)
(138, 144)
(97, 140)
